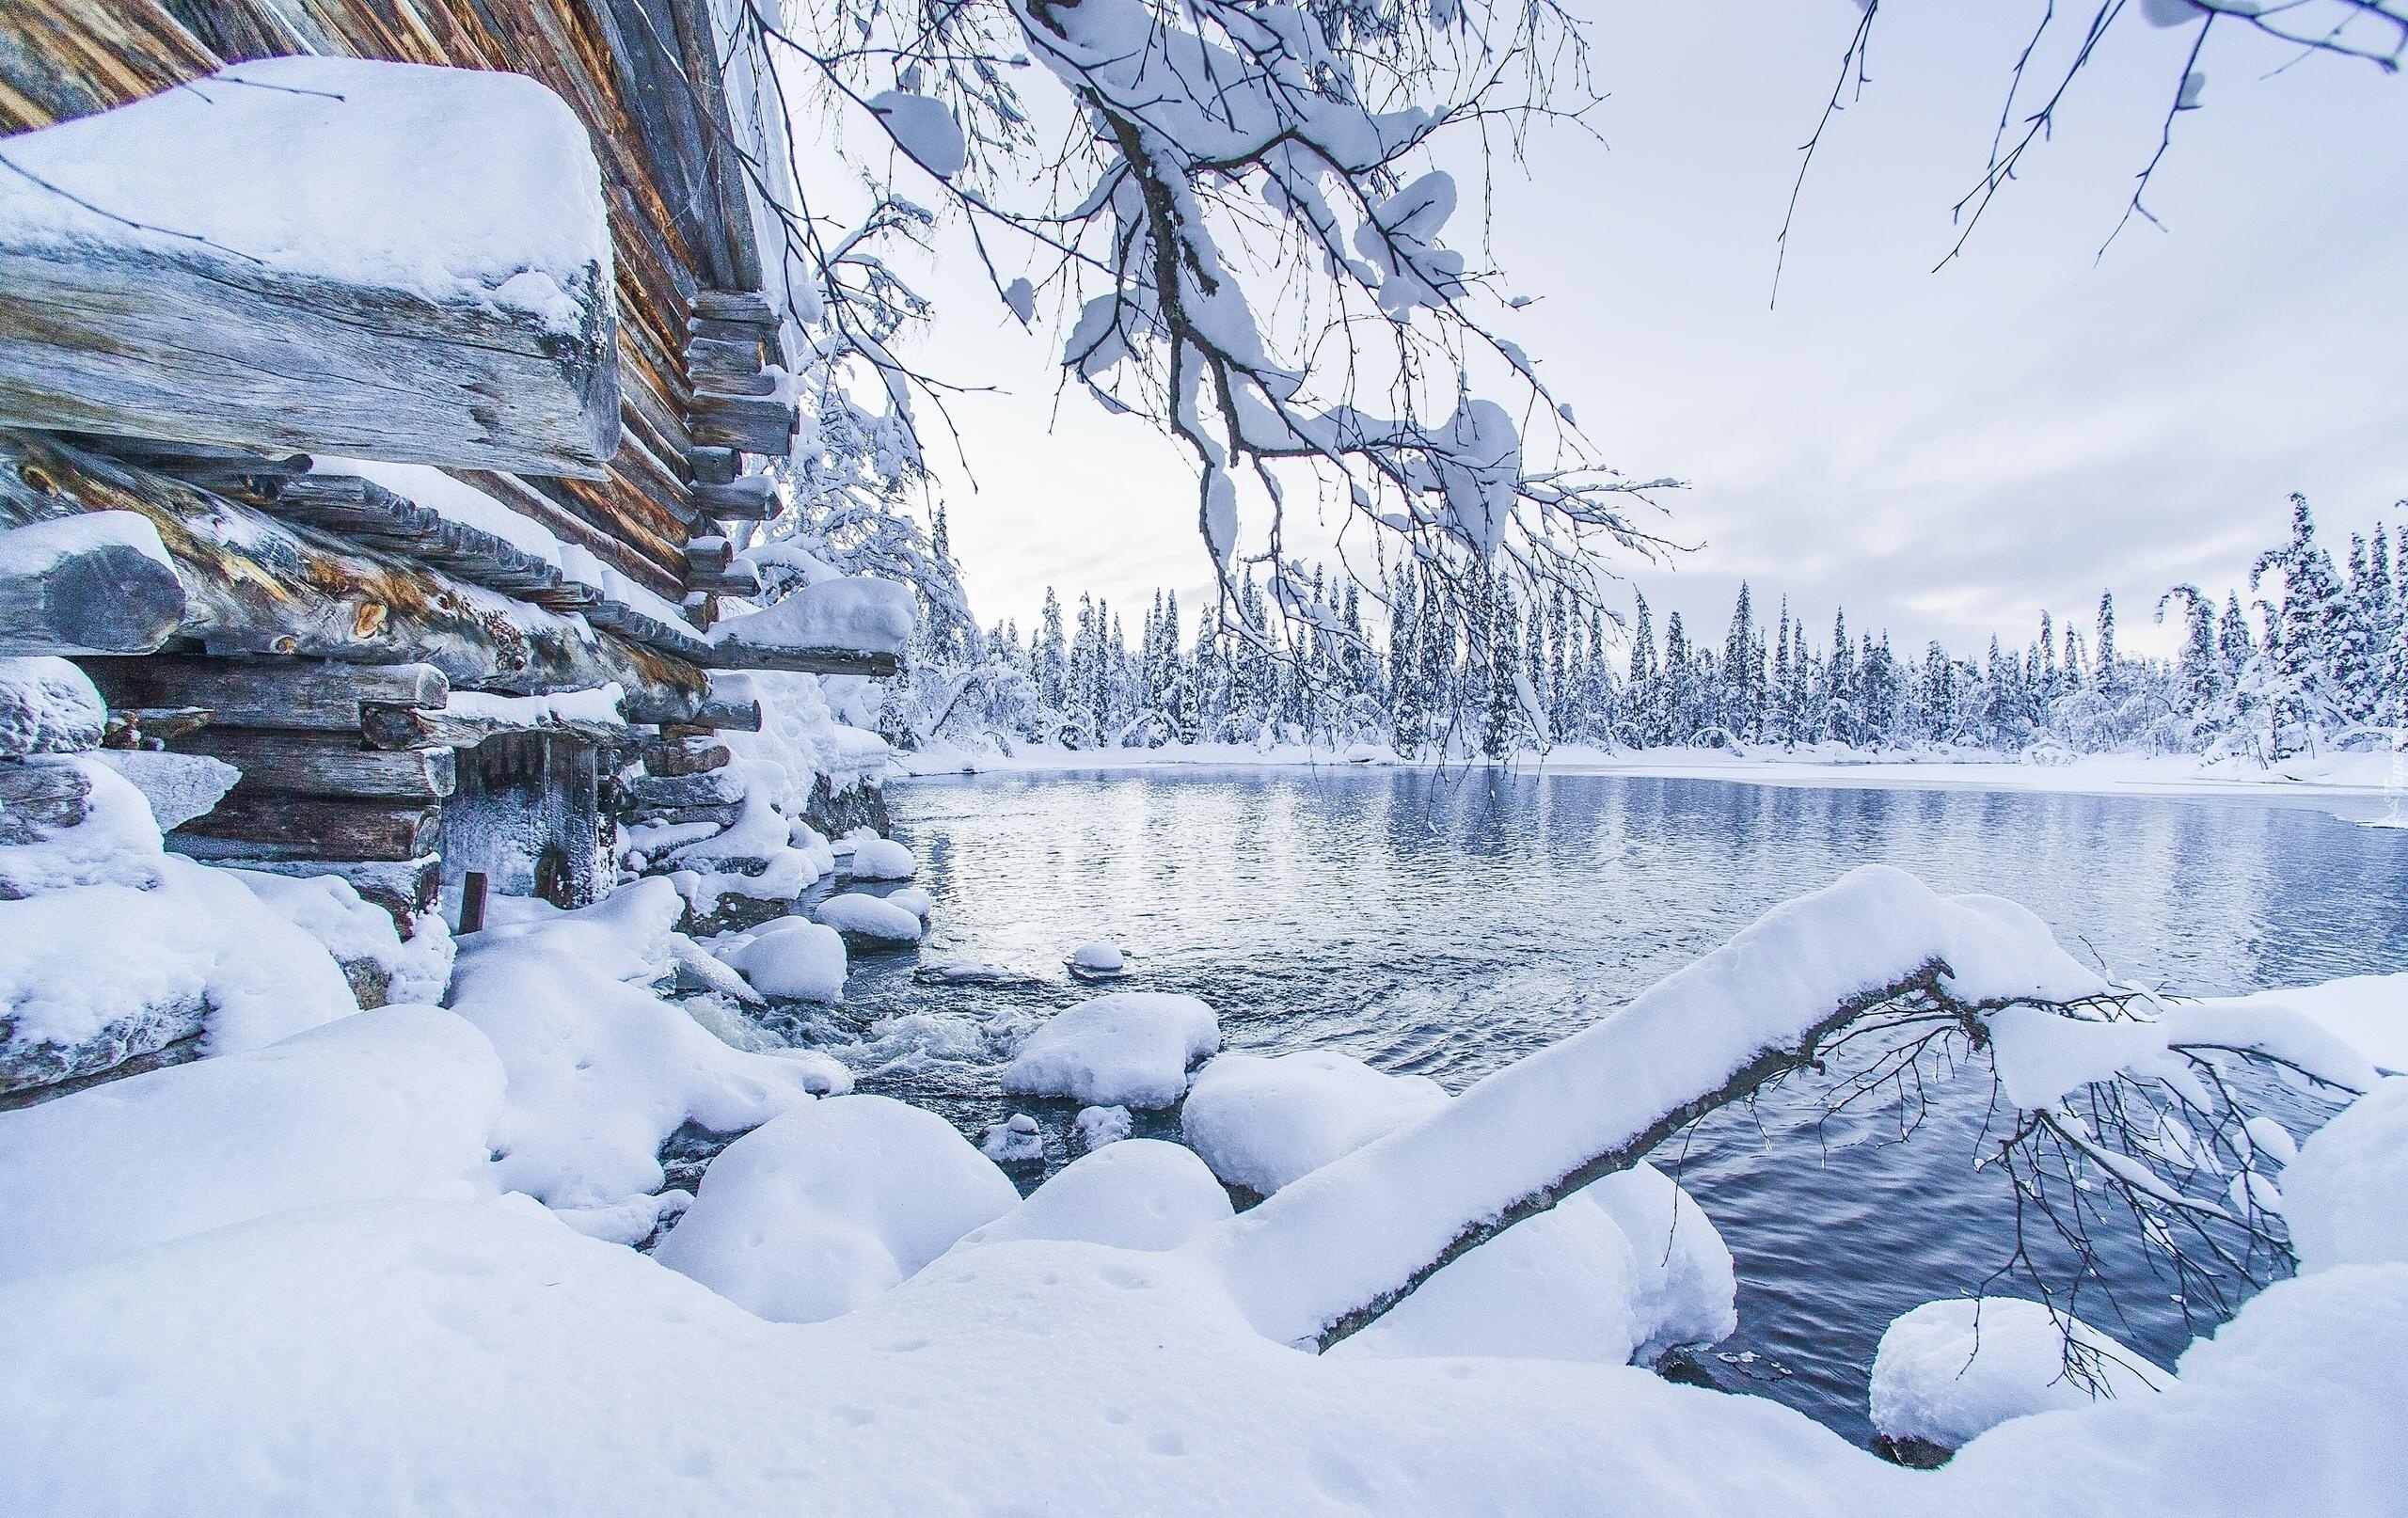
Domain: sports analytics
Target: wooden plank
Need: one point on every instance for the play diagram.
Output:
(266, 826)
(744, 308)
(400, 727)
(64, 592)
(803, 660)
(752, 424)
(309, 695)
(323, 765)
(197, 344)
(255, 584)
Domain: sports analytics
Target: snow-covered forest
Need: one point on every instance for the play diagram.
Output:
(2309, 654)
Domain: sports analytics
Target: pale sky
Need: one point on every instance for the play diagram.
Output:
(1944, 454)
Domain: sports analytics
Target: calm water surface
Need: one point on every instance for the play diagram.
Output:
(1446, 925)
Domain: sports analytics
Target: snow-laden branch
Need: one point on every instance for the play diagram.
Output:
(1330, 1254)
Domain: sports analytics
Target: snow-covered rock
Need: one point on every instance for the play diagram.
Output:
(882, 859)
(789, 958)
(2345, 1197)
(1015, 1140)
(380, 967)
(394, 1102)
(871, 919)
(600, 1072)
(1950, 1370)
(1130, 1049)
(1096, 1127)
(48, 705)
(1101, 957)
(117, 949)
(1685, 1287)
(913, 900)
(1261, 1122)
(822, 1210)
(1142, 1194)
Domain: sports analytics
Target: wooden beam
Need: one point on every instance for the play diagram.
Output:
(400, 727)
(684, 757)
(750, 424)
(313, 695)
(258, 585)
(82, 585)
(129, 338)
(751, 498)
(713, 465)
(323, 765)
(735, 579)
(267, 825)
(803, 660)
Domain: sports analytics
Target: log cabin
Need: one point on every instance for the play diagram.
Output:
(551, 495)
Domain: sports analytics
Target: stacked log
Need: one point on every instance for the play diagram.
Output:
(317, 796)
(735, 356)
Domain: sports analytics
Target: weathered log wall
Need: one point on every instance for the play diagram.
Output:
(643, 76)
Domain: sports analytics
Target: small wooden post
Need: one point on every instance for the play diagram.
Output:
(473, 902)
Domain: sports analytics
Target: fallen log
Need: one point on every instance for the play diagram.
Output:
(96, 583)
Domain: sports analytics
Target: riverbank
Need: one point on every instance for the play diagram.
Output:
(2366, 788)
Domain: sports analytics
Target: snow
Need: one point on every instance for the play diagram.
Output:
(825, 1209)
(454, 501)
(856, 614)
(870, 918)
(1950, 1370)
(1101, 957)
(446, 184)
(1096, 1127)
(600, 1071)
(924, 128)
(48, 705)
(1142, 1194)
(1015, 1140)
(179, 786)
(1262, 1123)
(357, 932)
(116, 944)
(29, 550)
(2346, 1196)
(2367, 1012)
(789, 958)
(1359, 1226)
(522, 1367)
(602, 704)
(1131, 1049)
(882, 859)
(394, 1102)
(913, 900)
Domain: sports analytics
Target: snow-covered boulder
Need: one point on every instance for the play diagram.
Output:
(1130, 1049)
(789, 958)
(1261, 1122)
(882, 859)
(1101, 957)
(48, 705)
(818, 1212)
(1950, 1370)
(913, 900)
(395, 1102)
(1096, 1127)
(360, 934)
(1141, 1194)
(870, 919)
(1558, 1287)
(601, 1071)
(111, 948)
(1015, 1140)
(1685, 1287)
(2345, 1197)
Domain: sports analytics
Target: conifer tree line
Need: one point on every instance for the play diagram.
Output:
(2310, 656)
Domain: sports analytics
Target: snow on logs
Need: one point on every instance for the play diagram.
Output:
(853, 624)
(96, 583)
(385, 258)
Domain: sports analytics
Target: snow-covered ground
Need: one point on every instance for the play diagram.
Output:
(2370, 788)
